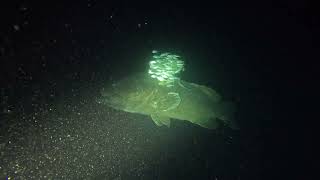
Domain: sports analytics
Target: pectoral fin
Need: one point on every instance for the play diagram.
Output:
(156, 120)
(160, 120)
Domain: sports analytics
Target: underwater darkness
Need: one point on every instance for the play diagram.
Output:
(56, 57)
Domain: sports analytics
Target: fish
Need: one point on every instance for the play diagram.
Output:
(198, 104)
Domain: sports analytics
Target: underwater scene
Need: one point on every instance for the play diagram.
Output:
(91, 90)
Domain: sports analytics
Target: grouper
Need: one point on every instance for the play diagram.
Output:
(198, 104)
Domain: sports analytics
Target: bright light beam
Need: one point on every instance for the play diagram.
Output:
(164, 67)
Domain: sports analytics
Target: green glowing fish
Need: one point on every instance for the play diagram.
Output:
(183, 101)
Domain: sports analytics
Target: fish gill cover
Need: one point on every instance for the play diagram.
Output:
(164, 67)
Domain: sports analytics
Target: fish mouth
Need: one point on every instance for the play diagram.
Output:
(114, 103)
(111, 98)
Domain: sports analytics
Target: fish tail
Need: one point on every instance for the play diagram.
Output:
(227, 114)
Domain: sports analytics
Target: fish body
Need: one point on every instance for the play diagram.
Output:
(187, 101)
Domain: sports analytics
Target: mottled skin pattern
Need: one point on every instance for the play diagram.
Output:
(184, 101)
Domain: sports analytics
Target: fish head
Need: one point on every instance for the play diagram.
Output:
(126, 94)
(113, 98)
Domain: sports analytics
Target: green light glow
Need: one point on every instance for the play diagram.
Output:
(164, 67)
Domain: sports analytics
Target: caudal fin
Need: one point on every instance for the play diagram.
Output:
(226, 113)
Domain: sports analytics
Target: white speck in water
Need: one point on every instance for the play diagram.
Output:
(23, 8)
(16, 27)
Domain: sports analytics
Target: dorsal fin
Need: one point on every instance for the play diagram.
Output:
(213, 95)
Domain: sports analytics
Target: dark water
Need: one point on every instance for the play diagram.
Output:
(55, 58)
